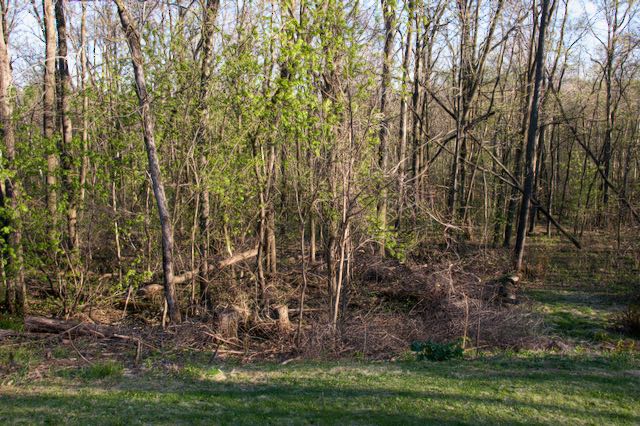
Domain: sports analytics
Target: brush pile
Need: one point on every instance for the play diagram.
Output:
(388, 304)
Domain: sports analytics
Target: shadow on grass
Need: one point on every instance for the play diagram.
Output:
(418, 396)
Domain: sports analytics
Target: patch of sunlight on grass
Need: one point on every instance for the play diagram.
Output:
(532, 388)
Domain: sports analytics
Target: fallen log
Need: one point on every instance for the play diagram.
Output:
(73, 328)
(236, 258)
(151, 291)
(15, 333)
(7, 333)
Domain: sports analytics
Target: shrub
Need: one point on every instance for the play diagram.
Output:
(434, 351)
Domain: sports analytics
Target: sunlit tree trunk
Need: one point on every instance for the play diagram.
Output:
(385, 85)
(403, 132)
(85, 105)
(208, 22)
(48, 119)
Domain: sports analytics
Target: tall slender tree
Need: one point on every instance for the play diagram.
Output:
(64, 93)
(531, 141)
(208, 24)
(15, 297)
(389, 18)
(148, 125)
(48, 119)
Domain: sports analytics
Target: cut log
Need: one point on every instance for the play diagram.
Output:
(151, 290)
(514, 279)
(13, 333)
(236, 258)
(74, 328)
(7, 333)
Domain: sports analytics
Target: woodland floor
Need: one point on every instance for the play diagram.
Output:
(589, 374)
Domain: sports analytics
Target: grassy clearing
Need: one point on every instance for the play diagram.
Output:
(543, 388)
(581, 294)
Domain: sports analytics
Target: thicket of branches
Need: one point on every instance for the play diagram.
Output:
(153, 140)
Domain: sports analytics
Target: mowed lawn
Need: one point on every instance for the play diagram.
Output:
(523, 389)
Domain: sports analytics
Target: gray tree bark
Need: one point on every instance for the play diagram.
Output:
(531, 142)
(154, 164)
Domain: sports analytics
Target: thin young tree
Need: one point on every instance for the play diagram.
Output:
(388, 13)
(209, 18)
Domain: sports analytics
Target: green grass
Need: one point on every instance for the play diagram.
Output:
(581, 293)
(99, 370)
(16, 362)
(596, 382)
(576, 315)
(533, 389)
(8, 322)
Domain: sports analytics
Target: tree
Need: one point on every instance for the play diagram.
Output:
(388, 13)
(208, 21)
(154, 164)
(15, 298)
(618, 14)
(68, 169)
(48, 119)
(531, 141)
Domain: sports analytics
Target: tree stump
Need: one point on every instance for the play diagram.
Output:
(284, 324)
(228, 324)
(229, 321)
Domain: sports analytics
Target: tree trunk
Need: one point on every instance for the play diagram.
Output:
(154, 165)
(403, 115)
(383, 154)
(210, 14)
(85, 105)
(64, 92)
(15, 292)
(48, 119)
(531, 142)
